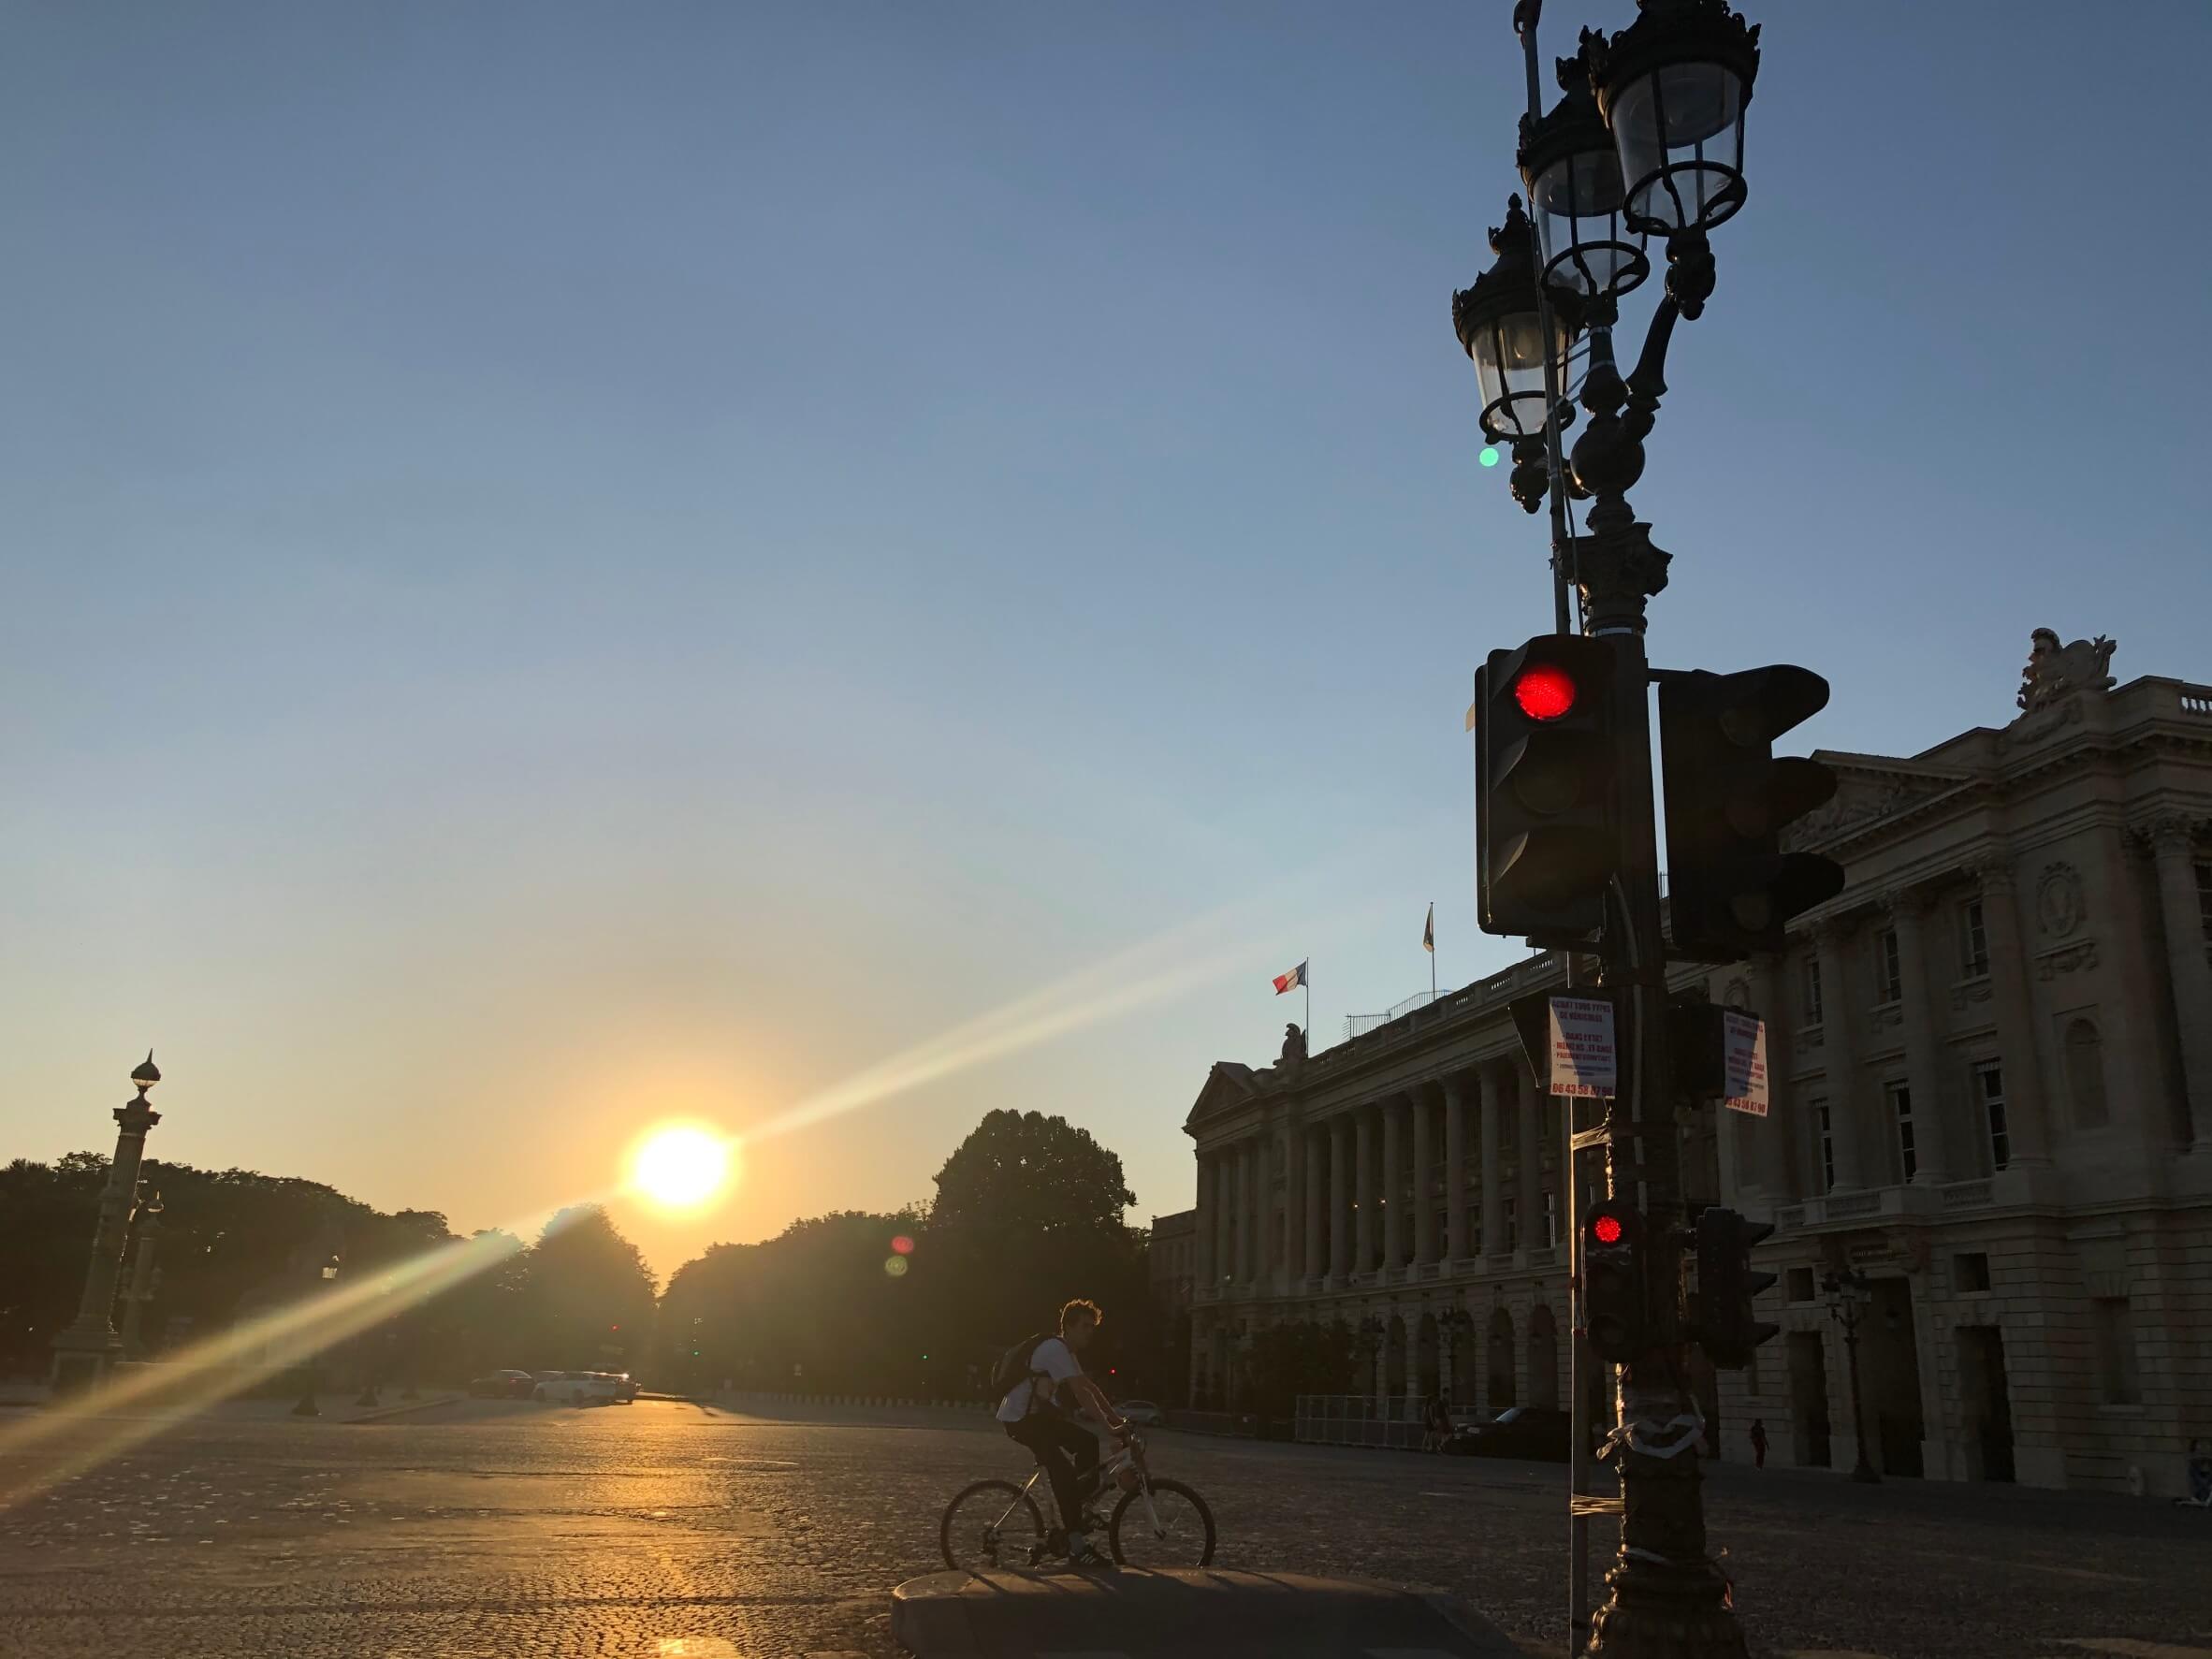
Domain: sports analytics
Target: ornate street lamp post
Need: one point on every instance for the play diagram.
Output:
(84, 1352)
(1847, 1294)
(1668, 96)
(145, 1276)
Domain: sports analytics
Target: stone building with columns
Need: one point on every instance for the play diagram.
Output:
(1992, 1065)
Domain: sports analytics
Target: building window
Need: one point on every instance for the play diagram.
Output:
(1990, 1087)
(1970, 1271)
(1799, 1284)
(1974, 943)
(1901, 1108)
(1512, 1225)
(2116, 1351)
(1827, 1145)
(2085, 1073)
(1889, 984)
(1812, 989)
(1551, 1217)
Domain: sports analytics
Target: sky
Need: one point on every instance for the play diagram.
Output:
(564, 567)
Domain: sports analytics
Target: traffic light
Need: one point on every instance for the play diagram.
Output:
(1730, 887)
(1615, 1307)
(1546, 833)
(1727, 1327)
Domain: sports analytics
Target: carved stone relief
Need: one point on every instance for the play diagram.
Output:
(2059, 903)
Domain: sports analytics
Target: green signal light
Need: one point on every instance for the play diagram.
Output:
(1490, 455)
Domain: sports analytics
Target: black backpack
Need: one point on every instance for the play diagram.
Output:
(1014, 1368)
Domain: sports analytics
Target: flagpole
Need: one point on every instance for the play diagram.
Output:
(1309, 1006)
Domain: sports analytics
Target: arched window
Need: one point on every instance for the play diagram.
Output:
(2085, 1074)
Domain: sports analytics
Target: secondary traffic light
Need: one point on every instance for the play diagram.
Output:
(1615, 1307)
(1728, 1329)
(1546, 835)
(1730, 888)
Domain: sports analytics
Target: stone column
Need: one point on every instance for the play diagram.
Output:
(1531, 1153)
(1424, 1177)
(1224, 1182)
(1364, 1186)
(1838, 997)
(1455, 1168)
(1393, 1185)
(1293, 1202)
(1923, 1072)
(1267, 1244)
(142, 1290)
(1209, 1218)
(1768, 1170)
(2173, 850)
(2026, 1118)
(1244, 1227)
(1340, 1200)
(84, 1352)
(1315, 1264)
(1493, 1185)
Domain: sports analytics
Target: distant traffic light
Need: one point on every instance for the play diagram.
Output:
(1730, 888)
(1546, 837)
(1615, 1307)
(1728, 1327)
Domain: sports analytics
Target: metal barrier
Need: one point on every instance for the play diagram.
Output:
(1357, 1419)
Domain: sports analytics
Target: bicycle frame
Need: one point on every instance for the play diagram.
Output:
(1133, 1451)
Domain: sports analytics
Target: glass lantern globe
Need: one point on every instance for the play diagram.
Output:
(1500, 323)
(1672, 88)
(1572, 170)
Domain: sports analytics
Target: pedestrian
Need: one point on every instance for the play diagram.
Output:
(1758, 1443)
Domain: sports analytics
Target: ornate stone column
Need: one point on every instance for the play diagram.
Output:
(1294, 1266)
(2172, 848)
(1340, 1199)
(1424, 1177)
(1209, 1220)
(1455, 1168)
(1225, 1187)
(1931, 1144)
(84, 1352)
(1493, 1185)
(1530, 1134)
(1245, 1227)
(1266, 1244)
(1393, 1185)
(1839, 1053)
(2027, 1118)
(1363, 1226)
(1315, 1152)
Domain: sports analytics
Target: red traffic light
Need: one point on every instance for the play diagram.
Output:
(1544, 692)
(1606, 1230)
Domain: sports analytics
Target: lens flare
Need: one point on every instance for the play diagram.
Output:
(1489, 456)
(902, 1245)
(679, 1166)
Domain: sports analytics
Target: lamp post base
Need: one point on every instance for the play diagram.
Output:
(83, 1356)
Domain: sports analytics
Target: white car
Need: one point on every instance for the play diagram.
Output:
(576, 1388)
(1142, 1412)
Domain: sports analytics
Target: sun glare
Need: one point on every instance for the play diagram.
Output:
(679, 1166)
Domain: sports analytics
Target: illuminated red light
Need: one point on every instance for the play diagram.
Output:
(1606, 1230)
(1544, 692)
(903, 1244)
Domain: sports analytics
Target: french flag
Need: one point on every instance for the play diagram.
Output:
(1291, 980)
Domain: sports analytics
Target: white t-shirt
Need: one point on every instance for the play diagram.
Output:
(1056, 1360)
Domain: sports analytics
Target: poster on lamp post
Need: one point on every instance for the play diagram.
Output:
(1743, 1058)
(1584, 1054)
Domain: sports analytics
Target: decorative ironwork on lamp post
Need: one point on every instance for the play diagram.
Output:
(1646, 142)
(84, 1353)
(1847, 1292)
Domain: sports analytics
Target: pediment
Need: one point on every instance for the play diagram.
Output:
(1229, 1085)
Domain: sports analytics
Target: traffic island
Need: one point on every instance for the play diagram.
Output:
(1181, 1614)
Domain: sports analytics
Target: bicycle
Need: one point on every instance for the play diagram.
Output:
(1156, 1523)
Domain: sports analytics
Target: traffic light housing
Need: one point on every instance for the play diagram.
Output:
(1546, 828)
(1616, 1308)
(1728, 1329)
(1730, 888)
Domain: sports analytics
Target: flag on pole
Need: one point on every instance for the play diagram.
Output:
(1291, 980)
(1429, 930)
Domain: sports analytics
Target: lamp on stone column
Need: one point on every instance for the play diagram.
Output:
(1846, 1292)
(84, 1352)
(1500, 322)
(326, 1276)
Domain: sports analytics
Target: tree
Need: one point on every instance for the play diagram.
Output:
(587, 1295)
(1024, 1175)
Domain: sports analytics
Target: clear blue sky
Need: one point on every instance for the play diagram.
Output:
(565, 565)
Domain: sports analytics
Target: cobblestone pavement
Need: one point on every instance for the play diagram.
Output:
(665, 1530)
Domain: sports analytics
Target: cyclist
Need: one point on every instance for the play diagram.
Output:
(1038, 1413)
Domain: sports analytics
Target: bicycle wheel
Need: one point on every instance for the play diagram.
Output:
(1165, 1525)
(991, 1524)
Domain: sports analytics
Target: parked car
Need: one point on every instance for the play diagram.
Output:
(625, 1387)
(576, 1388)
(503, 1385)
(1516, 1432)
(1141, 1412)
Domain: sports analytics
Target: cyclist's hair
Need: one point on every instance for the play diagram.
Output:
(1081, 1307)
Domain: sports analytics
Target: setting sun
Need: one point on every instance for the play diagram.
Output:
(680, 1166)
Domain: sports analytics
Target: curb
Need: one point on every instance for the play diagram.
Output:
(391, 1411)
